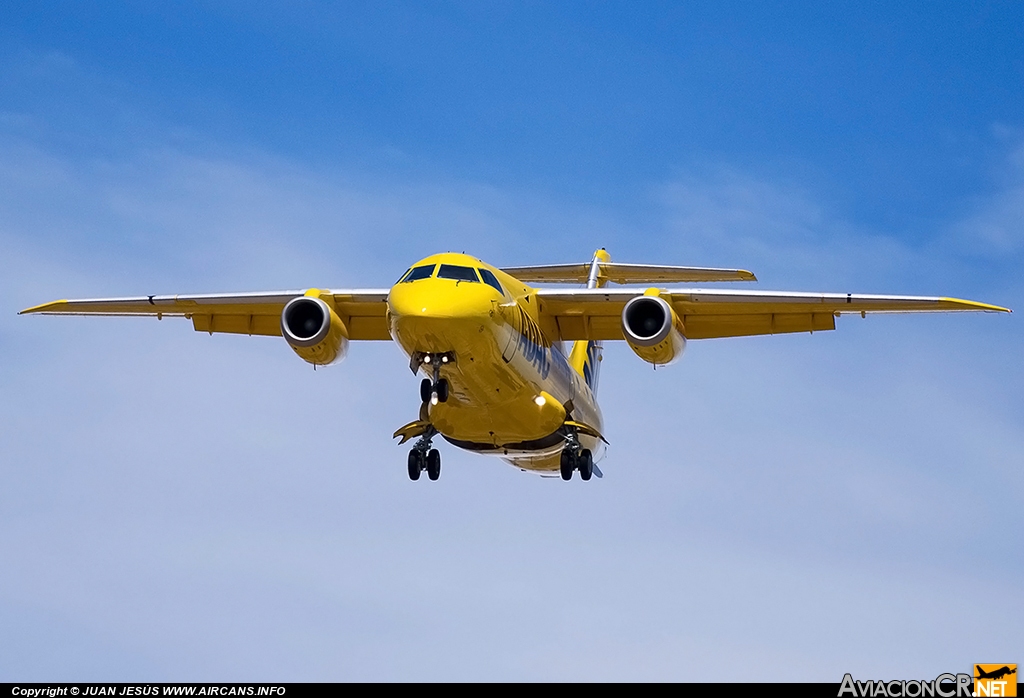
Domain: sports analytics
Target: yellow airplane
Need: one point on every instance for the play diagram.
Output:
(498, 378)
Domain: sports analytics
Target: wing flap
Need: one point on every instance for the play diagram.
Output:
(367, 328)
(714, 326)
(266, 325)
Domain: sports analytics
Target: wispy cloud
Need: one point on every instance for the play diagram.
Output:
(228, 512)
(995, 228)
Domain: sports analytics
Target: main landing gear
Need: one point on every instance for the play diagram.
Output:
(575, 457)
(582, 460)
(423, 457)
(430, 461)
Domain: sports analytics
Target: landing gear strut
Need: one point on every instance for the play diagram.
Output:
(423, 457)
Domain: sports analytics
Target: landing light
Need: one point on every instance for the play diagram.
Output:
(539, 400)
(444, 359)
(426, 359)
(433, 399)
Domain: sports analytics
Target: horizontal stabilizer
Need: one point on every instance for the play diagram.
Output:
(615, 272)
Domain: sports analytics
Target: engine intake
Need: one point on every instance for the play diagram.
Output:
(314, 330)
(653, 330)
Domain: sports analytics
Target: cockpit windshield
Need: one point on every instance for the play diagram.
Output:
(491, 280)
(418, 273)
(452, 271)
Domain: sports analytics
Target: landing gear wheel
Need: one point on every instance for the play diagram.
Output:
(425, 390)
(433, 464)
(441, 388)
(586, 464)
(566, 464)
(415, 464)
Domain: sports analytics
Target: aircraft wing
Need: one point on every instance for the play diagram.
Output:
(363, 311)
(596, 313)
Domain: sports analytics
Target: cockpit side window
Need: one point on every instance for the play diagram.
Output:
(453, 271)
(491, 280)
(417, 273)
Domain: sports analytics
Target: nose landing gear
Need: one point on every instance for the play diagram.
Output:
(433, 390)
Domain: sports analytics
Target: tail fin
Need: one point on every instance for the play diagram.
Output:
(585, 357)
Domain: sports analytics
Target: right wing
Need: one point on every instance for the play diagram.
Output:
(364, 312)
(597, 313)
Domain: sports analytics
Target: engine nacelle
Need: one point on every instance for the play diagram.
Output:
(652, 329)
(314, 330)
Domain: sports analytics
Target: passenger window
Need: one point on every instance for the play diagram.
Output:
(491, 280)
(418, 273)
(452, 271)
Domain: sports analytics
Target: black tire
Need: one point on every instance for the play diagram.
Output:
(415, 464)
(586, 464)
(442, 389)
(433, 464)
(426, 388)
(566, 465)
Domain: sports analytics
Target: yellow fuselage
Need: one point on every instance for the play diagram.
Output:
(510, 385)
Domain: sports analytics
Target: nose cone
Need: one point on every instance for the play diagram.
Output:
(430, 314)
(440, 298)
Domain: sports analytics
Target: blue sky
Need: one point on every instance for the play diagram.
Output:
(798, 506)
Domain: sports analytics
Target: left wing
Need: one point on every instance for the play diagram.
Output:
(596, 313)
(363, 311)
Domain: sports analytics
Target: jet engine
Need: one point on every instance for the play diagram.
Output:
(314, 330)
(652, 329)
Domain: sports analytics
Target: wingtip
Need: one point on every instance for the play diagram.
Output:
(42, 308)
(975, 305)
(747, 275)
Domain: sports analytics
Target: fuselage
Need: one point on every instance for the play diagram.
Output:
(511, 387)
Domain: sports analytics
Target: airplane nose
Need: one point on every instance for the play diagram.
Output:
(439, 298)
(431, 311)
